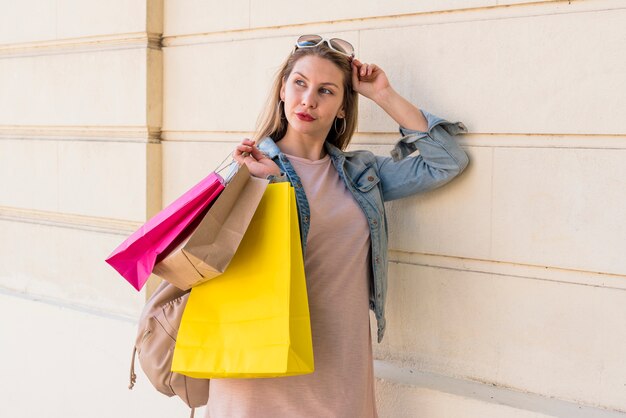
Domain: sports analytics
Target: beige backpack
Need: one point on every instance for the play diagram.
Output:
(156, 337)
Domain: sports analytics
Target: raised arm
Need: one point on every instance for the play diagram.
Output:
(371, 81)
(440, 159)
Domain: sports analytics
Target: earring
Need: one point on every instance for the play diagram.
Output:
(343, 128)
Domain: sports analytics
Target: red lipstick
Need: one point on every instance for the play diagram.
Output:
(305, 117)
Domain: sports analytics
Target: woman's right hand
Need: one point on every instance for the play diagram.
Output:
(258, 163)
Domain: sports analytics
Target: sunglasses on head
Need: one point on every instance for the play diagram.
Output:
(336, 44)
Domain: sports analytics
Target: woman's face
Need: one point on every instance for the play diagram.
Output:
(313, 96)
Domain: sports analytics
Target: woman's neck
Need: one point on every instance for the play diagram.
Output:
(302, 146)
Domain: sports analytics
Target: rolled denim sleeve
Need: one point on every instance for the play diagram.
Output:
(440, 159)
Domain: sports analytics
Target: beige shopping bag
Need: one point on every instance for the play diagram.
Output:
(206, 253)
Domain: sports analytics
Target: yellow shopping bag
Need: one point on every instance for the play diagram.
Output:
(253, 320)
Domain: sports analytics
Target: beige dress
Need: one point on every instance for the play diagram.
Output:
(337, 274)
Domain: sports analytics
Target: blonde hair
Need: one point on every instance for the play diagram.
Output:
(272, 121)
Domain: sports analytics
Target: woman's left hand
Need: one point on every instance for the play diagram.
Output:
(368, 79)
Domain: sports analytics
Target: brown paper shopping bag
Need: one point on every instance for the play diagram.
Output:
(206, 253)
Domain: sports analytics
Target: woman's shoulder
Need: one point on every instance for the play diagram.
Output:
(358, 161)
(360, 154)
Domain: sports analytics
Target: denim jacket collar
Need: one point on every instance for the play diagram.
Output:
(269, 147)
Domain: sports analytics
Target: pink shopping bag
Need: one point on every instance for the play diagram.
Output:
(135, 258)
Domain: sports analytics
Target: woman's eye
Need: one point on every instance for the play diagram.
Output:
(323, 90)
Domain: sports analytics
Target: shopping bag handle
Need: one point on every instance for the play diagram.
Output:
(232, 167)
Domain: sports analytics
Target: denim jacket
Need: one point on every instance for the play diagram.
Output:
(374, 179)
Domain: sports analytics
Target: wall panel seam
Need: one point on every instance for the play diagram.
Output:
(131, 40)
(68, 304)
(495, 140)
(120, 133)
(487, 392)
(69, 221)
(110, 133)
(512, 269)
(398, 21)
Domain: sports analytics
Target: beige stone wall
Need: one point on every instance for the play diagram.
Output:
(80, 154)
(513, 275)
(507, 287)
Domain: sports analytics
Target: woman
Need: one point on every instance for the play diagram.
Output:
(309, 120)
